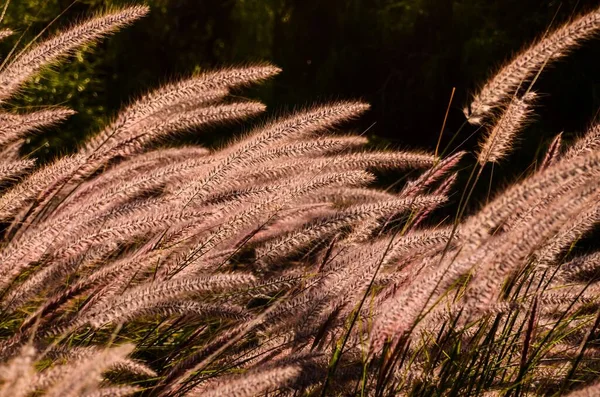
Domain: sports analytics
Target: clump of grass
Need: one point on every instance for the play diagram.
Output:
(275, 266)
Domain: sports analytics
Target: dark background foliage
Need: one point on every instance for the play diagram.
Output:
(402, 56)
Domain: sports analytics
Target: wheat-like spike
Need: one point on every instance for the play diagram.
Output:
(352, 274)
(569, 351)
(538, 203)
(553, 152)
(588, 391)
(164, 156)
(194, 118)
(18, 373)
(589, 142)
(63, 255)
(552, 372)
(71, 356)
(343, 162)
(138, 118)
(518, 72)
(139, 164)
(114, 276)
(379, 160)
(34, 186)
(133, 367)
(320, 229)
(12, 170)
(90, 200)
(52, 238)
(581, 268)
(442, 190)
(522, 241)
(303, 124)
(518, 198)
(4, 33)
(571, 299)
(114, 391)
(165, 291)
(68, 359)
(400, 313)
(29, 63)
(432, 175)
(85, 377)
(181, 369)
(12, 151)
(256, 382)
(284, 169)
(269, 345)
(313, 147)
(171, 308)
(499, 141)
(345, 196)
(576, 228)
(269, 205)
(242, 270)
(288, 221)
(138, 138)
(30, 214)
(348, 272)
(31, 245)
(264, 287)
(153, 126)
(177, 96)
(278, 197)
(13, 127)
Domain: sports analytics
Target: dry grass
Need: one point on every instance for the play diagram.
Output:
(273, 266)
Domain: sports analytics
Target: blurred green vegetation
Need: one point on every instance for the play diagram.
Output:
(403, 56)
